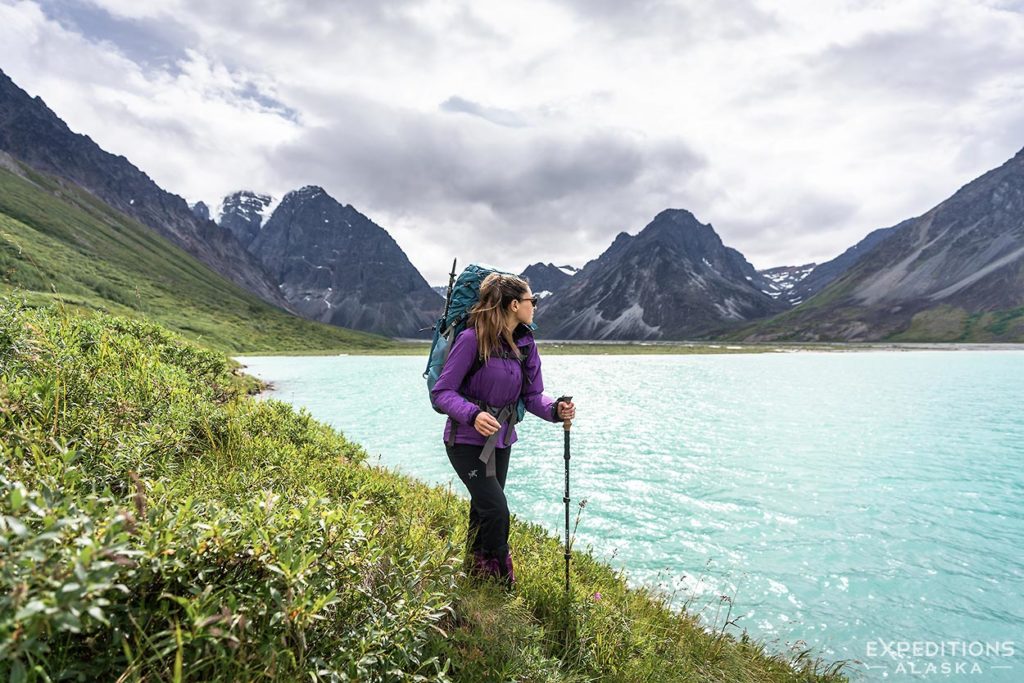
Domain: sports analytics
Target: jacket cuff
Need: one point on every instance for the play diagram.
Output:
(554, 412)
(472, 417)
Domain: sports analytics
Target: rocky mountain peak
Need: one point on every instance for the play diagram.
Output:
(307, 193)
(681, 228)
(244, 213)
(678, 216)
(248, 199)
(336, 265)
(673, 280)
(201, 211)
(546, 278)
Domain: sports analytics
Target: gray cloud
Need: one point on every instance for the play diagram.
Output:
(500, 117)
(803, 216)
(680, 23)
(335, 28)
(935, 61)
(159, 45)
(252, 91)
(538, 191)
(153, 45)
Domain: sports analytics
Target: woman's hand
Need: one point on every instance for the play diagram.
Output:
(566, 410)
(485, 423)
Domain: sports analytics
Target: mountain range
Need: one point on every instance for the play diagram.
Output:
(60, 244)
(953, 273)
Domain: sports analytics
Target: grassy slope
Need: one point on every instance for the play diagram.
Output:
(59, 242)
(948, 323)
(159, 524)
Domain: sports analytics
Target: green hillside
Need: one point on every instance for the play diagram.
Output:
(157, 523)
(59, 242)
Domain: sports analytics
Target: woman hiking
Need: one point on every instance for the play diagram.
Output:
(481, 408)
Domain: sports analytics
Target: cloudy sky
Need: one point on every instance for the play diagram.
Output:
(512, 132)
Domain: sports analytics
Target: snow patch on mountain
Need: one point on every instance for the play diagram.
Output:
(784, 279)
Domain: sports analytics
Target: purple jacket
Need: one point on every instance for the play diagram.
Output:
(496, 383)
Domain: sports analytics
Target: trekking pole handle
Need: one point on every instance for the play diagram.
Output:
(566, 424)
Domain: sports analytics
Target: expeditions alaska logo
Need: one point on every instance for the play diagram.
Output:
(938, 658)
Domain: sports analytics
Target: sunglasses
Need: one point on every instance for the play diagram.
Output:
(533, 301)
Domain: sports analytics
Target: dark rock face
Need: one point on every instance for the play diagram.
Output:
(337, 266)
(201, 211)
(31, 132)
(674, 280)
(965, 257)
(244, 213)
(546, 278)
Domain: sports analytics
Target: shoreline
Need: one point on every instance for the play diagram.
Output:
(599, 348)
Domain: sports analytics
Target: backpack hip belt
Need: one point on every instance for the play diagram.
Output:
(507, 414)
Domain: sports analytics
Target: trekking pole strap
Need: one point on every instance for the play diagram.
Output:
(507, 414)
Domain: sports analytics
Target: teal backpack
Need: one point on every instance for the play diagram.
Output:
(463, 293)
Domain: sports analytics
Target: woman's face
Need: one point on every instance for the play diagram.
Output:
(523, 309)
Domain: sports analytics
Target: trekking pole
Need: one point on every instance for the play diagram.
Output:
(448, 295)
(566, 425)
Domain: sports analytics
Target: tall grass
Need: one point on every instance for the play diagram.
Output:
(157, 523)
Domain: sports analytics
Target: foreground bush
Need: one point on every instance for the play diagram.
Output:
(157, 523)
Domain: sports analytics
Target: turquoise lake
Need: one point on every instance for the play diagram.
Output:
(870, 504)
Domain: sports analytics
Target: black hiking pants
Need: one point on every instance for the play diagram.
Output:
(488, 509)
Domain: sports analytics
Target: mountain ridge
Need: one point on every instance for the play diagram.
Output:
(31, 132)
(954, 273)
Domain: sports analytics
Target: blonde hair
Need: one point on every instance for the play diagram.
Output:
(489, 315)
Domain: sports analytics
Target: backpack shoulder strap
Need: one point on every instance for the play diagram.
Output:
(522, 363)
(478, 363)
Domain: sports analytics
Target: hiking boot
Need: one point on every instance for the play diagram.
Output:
(484, 566)
(506, 572)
